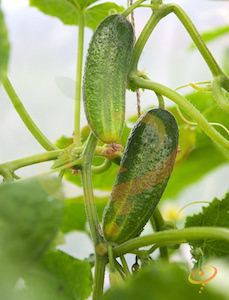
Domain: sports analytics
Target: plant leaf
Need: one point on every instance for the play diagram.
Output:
(159, 281)
(67, 10)
(215, 214)
(200, 162)
(4, 47)
(75, 215)
(30, 218)
(59, 276)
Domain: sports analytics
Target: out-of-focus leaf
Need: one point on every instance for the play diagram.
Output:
(187, 141)
(215, 214)
(30, 219)
(64, 142)
(200, 162)
(160, 282)
(95, 14)
(59, 276)
(213, 34)
(67, 10)
(75, 216)
(4, 47)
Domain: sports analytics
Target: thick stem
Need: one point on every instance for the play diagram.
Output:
(100, 265)
(27, 120)
(184, 104)
(174, 236)
(30, 160)
(92, 215)
(79, 77)
(159, 224)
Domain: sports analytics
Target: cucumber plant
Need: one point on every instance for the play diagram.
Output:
(165, 149)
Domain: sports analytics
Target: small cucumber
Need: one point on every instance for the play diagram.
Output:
(105, 77)
(145, 168)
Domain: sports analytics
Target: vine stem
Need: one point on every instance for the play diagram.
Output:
(194, 113)
(100, 265)
(92, 217)
(30, 160)
(79, 77)
(159, 225)
(125, 266)
(126, 12)
(160, 13)
(27, 120)
(88, 189)
(174, 236)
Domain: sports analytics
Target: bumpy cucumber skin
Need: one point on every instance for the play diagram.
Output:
(145, 168)
(105, 77)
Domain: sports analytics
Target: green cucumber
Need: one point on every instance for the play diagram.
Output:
(145, 169)
(105, 77)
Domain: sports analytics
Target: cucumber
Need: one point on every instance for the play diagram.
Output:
(105, 77)
(145, 169)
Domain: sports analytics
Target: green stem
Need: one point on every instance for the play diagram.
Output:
(119, 268)
(143, 38)
(111, 258)
(79, 77)
(184, 104)
(159, 223)
(175, 236)
(126, 12)
(125, 266)
(27, 120)
(100, 265)
(163, 11)
(161, 101)
(92, 216)
(220, 98)
(102, 168)
(30, 160)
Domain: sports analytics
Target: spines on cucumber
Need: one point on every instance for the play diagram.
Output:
(105, 77)
(145, 169)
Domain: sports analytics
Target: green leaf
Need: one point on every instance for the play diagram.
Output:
(59, 276)
(4, 47)
(95, 14)
(75, 216)
(160, 282)
(68, 10)
(30, 218)
(215, 214)
(65, 10)
(63, 142)
(84, 3)
(200, 162)
(213, 34)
